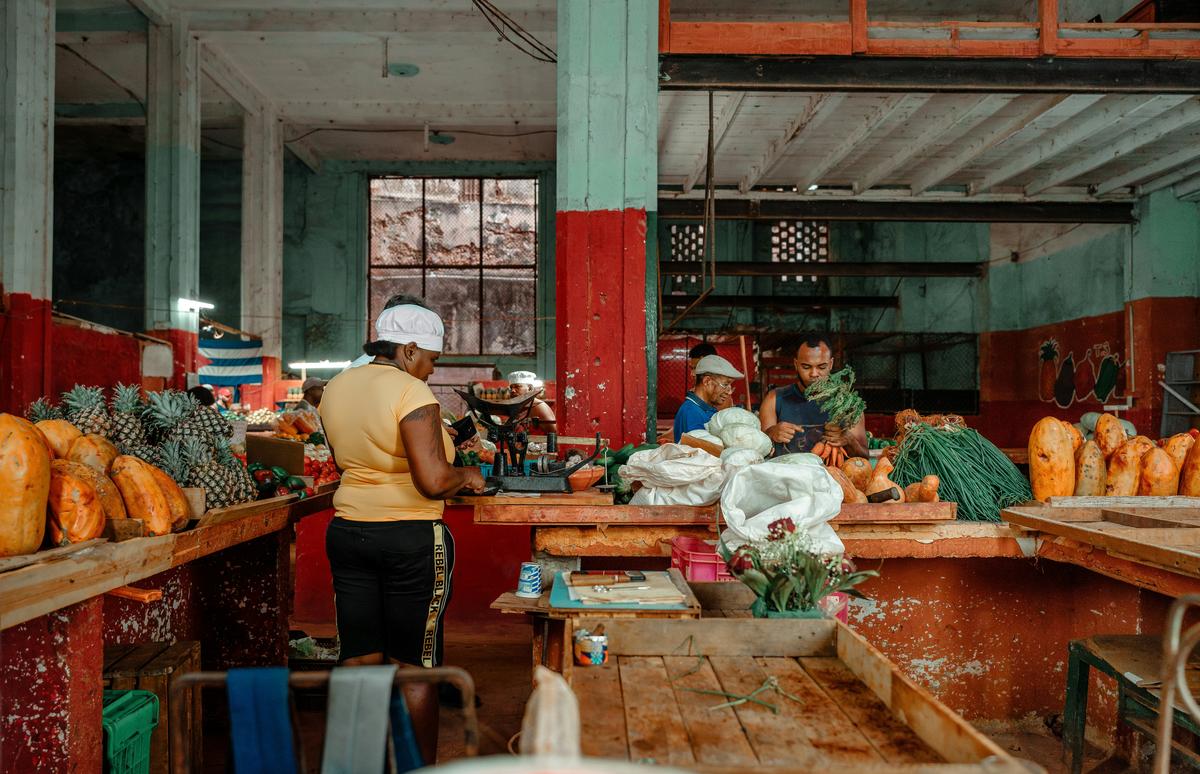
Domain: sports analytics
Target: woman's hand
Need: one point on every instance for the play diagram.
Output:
(473, 480)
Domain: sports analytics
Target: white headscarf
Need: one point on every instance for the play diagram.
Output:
(407, 324)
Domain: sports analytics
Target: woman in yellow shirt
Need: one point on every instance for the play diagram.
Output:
(392, 556)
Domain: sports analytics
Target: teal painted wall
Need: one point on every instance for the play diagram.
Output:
(1166, 248)
(221, 239)
(325, 256)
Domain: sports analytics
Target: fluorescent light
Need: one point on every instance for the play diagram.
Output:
(813, 187)
(190, 305)
(321, 365)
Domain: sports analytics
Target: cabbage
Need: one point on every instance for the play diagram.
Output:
(746, 437)
(730, 417)
(798, 459)
(704, 435)
(739, 458)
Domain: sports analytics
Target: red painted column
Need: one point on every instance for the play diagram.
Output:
(25, 336)
(51, 695)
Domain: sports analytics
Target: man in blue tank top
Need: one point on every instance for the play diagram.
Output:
(796, 424)
(714, 383)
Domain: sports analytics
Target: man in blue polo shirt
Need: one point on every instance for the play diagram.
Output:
(714, 382)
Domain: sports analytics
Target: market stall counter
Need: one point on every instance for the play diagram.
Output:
(224, 583)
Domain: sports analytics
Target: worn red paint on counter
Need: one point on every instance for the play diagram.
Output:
(601, 323)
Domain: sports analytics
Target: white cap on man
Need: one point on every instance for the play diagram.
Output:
(715, 365)
(525, 377)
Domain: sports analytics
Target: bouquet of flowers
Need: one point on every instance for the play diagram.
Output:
(788, 574)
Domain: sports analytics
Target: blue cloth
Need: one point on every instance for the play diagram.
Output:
(404, 739)
(692, 415)
(260, 721)
(356, 719)
(792, 406)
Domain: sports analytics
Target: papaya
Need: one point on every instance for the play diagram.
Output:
(1051, 460)
(144, 498)
(1109, 434)
(1157, 474)
(1189, 475)
(177, 501)
(75, 513)
(1090, 472)
(1076, 436)
(60, 434)
(24, 487)
(95, 451)
(1124, 469)
(106, 490)
(1178, 447)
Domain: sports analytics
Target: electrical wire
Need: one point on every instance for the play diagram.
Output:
(529, 45)
(100, 70)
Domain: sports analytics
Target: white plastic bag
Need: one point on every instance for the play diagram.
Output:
(674, 474)
(757, 495)
(551, 723)
(733, 459)
(729, 417)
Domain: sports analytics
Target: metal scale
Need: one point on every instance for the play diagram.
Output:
(511, 436)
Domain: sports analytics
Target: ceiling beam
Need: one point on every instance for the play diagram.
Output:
(815, 208)
(785, 302)
(987, 136)
(1186, 188)
(156, 11)
(911, 74)
(531, 115)
(857, 136)
(375, 22)
(829, 269)
(935, 128)
(216, 64)
(1166, 181)
(303, 150)
(721, 125)
(119, 20)
(1149, 170)
(1184, 115)
(818, 109)
(1104, 114)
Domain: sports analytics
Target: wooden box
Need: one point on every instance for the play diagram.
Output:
(153, 666)
(275, 452)
(837, 703)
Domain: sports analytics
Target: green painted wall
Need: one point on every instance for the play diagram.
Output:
(1166, 248)
(325, 255)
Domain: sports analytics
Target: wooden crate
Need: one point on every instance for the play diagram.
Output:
(153, 666)
(852, 708)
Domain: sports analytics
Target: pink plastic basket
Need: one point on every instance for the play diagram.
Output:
(698, 560)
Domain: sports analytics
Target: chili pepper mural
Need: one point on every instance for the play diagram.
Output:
(1068, 380)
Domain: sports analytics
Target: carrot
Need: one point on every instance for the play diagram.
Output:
(819, 449)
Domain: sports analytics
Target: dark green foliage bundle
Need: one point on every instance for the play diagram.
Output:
(836, 396)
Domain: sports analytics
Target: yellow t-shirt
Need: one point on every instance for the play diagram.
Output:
(361, 411)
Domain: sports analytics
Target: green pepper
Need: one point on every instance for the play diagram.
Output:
(280, 473)
(294, 483)
(253, 466)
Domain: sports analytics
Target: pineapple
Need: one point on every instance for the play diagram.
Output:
(41, 410)
(170, 414)
(244, 488)
(174, 461)
(216, 480)
(86, 410)
(211, 421)
(127, 409)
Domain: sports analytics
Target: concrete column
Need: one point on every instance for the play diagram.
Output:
(173, 189)
(606, 311)
(262, 231)
(26, 197)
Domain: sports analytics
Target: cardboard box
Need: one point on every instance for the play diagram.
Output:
(275, 452)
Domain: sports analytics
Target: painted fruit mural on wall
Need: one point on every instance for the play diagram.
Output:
(1096, 376)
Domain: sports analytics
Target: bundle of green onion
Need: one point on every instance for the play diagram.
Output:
(973, 472)
(836, 396)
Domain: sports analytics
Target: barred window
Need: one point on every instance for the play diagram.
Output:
(799, 241)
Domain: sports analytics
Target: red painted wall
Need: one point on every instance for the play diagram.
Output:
(93, 357)
(25, 336)
(673, 377)
(600, 311)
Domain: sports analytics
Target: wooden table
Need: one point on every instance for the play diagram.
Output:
(840, 705)
(1153, 543)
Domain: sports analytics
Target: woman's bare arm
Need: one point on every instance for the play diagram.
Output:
(436, 479)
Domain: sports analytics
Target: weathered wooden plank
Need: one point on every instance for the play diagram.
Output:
(896, 512)
(778, 739)
(947, 733)
(653, 723)
(16, 562)
(542, 513)
(895, 741)
(715, 637)
(602, 714)
(591, 497)
(834, 733)
(1136, 572)
(717, 736)
(1173, 501)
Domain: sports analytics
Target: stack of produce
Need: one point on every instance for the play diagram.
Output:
(836, 396)
(861, 483)
(1110, 463)
(970, 470)
(319, 464)
(277, 482)
(260, 418)
(298, 426)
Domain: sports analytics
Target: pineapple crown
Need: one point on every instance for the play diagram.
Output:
(127, 399)
(222, 453)
(80, 398)
(174, 460)
(41, 410)
(196, 453)
(169, 408)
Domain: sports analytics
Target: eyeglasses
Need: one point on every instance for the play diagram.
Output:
(723, 386)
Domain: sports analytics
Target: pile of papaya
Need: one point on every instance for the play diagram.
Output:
(1111, 463)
